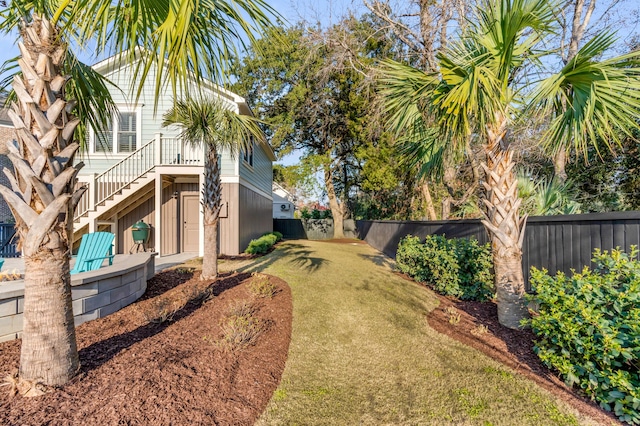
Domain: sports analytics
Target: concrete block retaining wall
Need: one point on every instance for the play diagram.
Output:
(95, 294)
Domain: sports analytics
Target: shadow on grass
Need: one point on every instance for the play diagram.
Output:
(97, 354)
(379, 259)
(301, 257)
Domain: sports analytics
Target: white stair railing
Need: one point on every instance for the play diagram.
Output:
(158, 151)
(178, 152)
(117, 177)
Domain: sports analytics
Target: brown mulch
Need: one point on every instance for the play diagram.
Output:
(513, 348)
(162, 361)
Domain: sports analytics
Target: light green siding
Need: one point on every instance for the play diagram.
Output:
(261, 174)
(150, 120)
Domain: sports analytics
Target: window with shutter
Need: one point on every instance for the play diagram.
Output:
(104, 140)
(127, 132)
(121, 135)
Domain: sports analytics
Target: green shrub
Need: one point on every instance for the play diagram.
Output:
(456, 267)
(474, 263)
(588, 329)
(262, 244)
(276, 234)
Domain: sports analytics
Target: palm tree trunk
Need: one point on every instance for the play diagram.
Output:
(336, 209)
(48, 318)
(212, 195)
(448, 179)
(559, 166)
(505, 227)
(42, 199)
(426, 193)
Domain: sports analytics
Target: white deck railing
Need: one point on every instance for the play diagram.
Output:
(158, 151)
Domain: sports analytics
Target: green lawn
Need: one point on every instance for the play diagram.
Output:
(362, 352)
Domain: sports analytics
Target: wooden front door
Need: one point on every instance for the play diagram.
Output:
(190, 212)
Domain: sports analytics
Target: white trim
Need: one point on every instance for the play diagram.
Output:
(157, 231)
(180, 169)
(201, 216)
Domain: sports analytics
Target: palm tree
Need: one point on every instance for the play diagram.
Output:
(180, 39)
(210, 124)
(484, 85)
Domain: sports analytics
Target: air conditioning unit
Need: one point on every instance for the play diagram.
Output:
(285, 207)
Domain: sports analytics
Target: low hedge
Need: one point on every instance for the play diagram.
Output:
(588, 329)
(453, 267)
(264, 243)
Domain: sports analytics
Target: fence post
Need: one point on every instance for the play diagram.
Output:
(157, 149)
(93, 191)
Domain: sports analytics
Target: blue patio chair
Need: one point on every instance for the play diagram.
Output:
(1, 262)
(94, 249)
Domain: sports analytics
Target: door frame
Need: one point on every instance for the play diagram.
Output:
(182, 216)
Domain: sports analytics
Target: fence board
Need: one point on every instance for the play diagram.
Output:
(557, 243)
(632, 235)
(311, 229)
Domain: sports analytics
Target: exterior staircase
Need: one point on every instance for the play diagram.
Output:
(125, 179)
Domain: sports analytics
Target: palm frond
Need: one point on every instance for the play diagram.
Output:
(405, 93)
(469, 94)
(210, 122)
(177, 40)
(545, 196)
(422, 150)
(89, 90)
(591, 101)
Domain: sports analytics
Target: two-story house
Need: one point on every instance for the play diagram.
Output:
(138, 170)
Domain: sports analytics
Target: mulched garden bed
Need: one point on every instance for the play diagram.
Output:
(163, 361)
(479, 328)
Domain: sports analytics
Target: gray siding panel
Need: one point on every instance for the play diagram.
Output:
(229, 223)
(146, 212)
(169, 218)
(255, 216)
(143, 212)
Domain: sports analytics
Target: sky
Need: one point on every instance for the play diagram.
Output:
(328, 12)
(324, 11)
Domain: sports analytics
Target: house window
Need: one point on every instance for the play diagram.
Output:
(121, 135)
(247, 154)
(127, 132)
(104, 139)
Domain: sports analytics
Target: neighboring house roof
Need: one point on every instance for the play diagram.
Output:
(7, 131)
(282, 193)
(120, 60)
(4, 117)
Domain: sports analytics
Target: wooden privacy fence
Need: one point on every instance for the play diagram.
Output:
(557, 243)
(311, 229)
